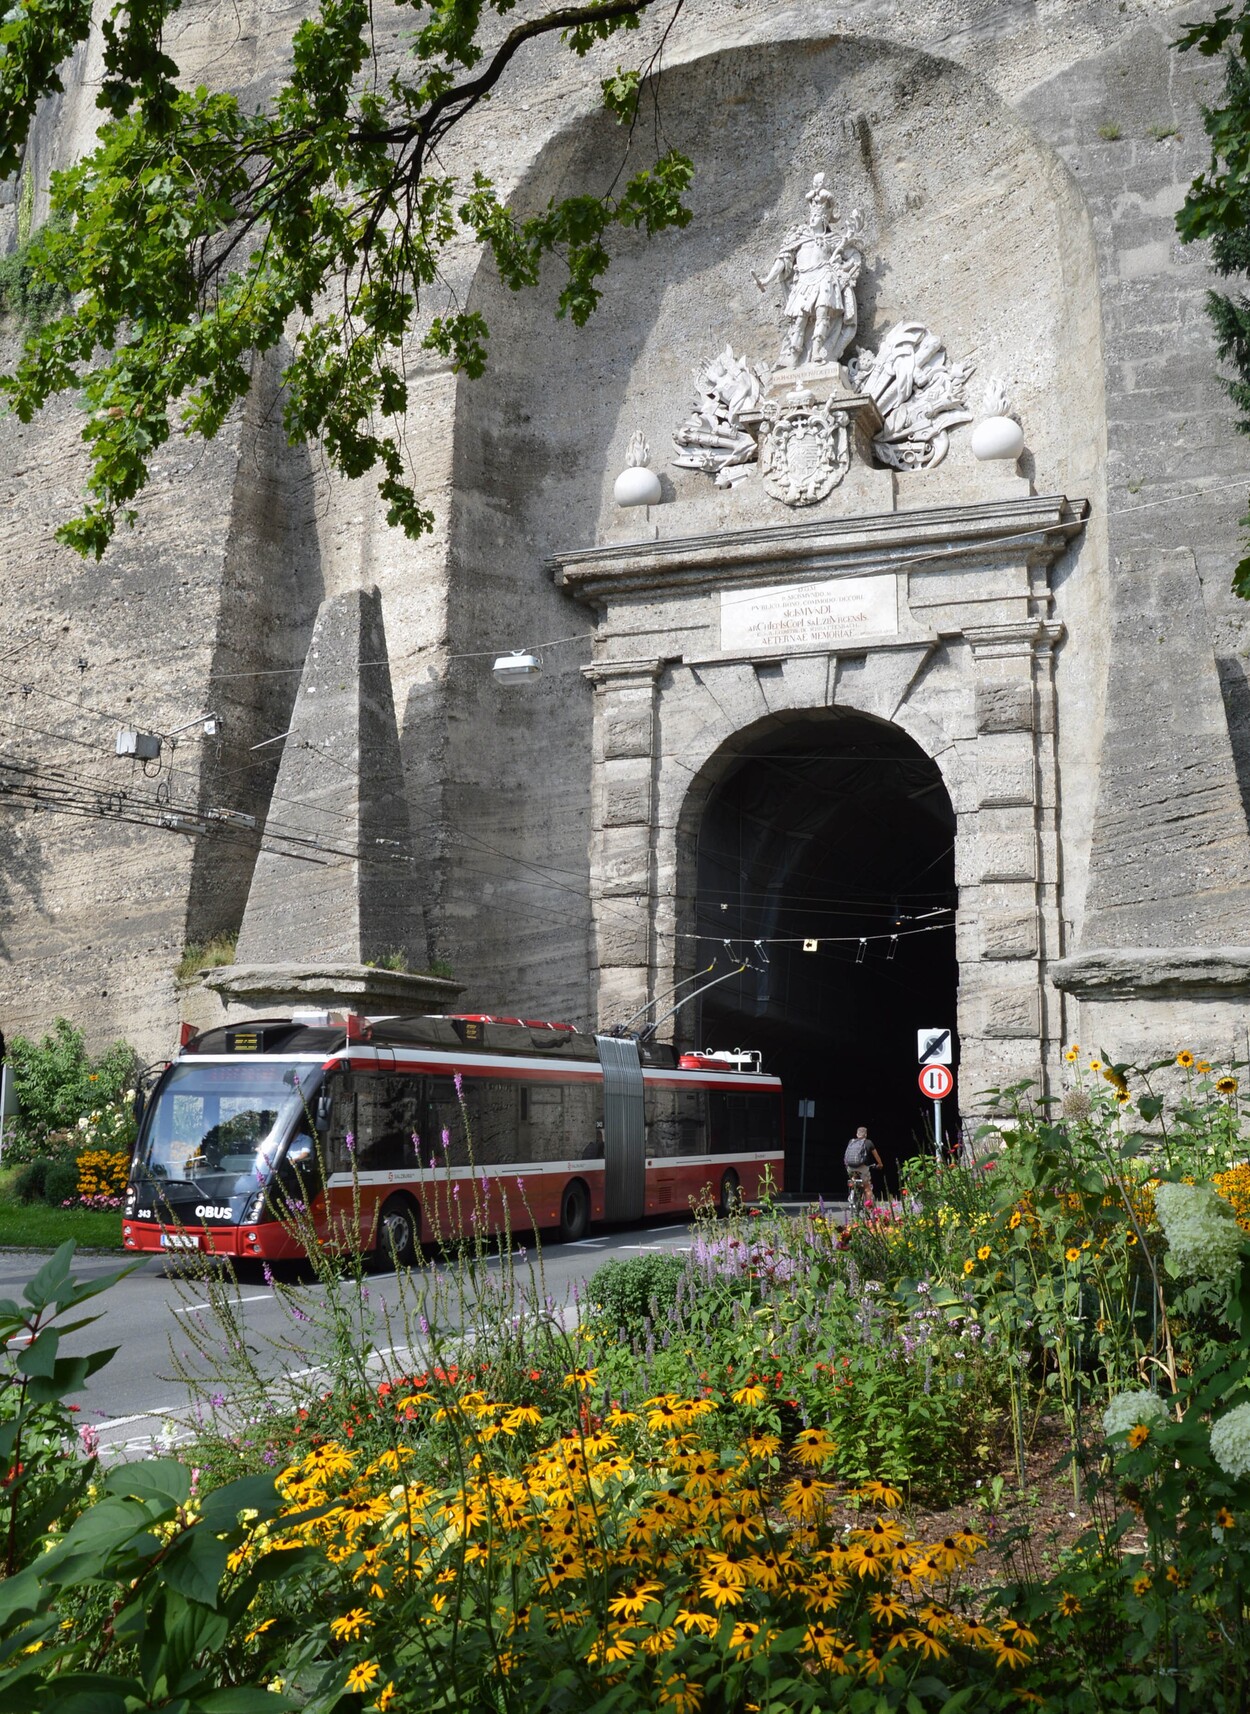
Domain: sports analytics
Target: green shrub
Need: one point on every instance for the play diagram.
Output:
(625, 1295)
(60, 1183)
(25, 292)
(31, 1182)
(59, 1082)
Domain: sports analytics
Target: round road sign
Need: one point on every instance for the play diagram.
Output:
(936, 1082)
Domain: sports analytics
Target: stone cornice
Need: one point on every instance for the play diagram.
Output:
(624, 672)
(1034, 528)
(1154, 972)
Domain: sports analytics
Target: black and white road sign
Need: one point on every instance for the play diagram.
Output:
(933, 1047)
(936, 1082)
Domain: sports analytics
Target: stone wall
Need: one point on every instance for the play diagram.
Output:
(976, 136)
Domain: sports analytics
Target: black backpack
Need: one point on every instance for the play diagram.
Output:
(858, 1152)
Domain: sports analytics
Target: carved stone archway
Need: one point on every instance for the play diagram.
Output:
(936, 619)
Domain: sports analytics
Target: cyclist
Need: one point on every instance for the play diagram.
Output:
(859, 1158)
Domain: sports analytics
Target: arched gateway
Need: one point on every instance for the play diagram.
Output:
(826, 859)
(918, 635)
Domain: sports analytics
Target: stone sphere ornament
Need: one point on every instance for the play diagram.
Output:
(636, 485)
(998, 435)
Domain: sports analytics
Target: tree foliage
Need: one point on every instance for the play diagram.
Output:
(1217, 206)
(197, 234)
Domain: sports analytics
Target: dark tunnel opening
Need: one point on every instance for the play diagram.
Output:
(837, 831)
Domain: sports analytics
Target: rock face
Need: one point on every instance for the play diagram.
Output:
(1058, 637)
(335, 884)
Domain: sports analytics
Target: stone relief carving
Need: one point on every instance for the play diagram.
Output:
(718, 436)
(802, 441)
(821, 270)
(805, 449)
(919, 392)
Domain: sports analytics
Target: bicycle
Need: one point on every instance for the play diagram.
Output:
(859, 1195)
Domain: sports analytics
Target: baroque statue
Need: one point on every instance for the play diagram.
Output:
(919, 392)
(717, 436)
(821, 269)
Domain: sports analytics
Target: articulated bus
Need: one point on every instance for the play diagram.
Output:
(406, 1124)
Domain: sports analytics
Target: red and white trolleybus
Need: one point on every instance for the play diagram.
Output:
(408, 1124)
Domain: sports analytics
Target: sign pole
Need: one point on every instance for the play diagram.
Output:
(803, 1151)
(937, 1132)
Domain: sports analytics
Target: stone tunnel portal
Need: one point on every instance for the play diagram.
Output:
(837, 830)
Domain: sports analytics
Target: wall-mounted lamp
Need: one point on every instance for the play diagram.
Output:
(517, 667)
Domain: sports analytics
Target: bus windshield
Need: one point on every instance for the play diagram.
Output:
(220, 1127)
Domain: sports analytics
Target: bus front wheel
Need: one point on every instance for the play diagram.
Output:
(398, 1232)
(574, 1212)
(730, 1199)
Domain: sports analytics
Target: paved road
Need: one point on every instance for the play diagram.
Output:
(154, 1317)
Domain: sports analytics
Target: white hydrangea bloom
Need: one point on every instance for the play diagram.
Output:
(1127, 1410)
(1230, 1441)
(1201, 1229)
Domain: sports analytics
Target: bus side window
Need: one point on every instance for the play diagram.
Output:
(341, 1086)
(444, 1136)
(692, 1122)
(663, 1128)
(582, 1136)
(389, 1112)
(491, 1110)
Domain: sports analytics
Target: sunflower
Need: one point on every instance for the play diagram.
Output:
(362, 1675)
(1225, 1519)
(1185, 1058)
(1226, 1085)
(1141, 1584)
(1138, 1435)
(969, 1266)
(1072, 1253)
(984, 1253)
(1069, 1606)
(1072, 1054)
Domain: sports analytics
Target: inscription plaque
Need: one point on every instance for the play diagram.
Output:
(806, 615)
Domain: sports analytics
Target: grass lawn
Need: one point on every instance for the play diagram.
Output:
(35, 1226)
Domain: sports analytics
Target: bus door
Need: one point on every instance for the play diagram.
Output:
(624, 1129)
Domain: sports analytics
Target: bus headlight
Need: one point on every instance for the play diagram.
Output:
(255, 1210)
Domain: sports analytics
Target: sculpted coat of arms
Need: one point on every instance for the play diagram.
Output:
(798, 437)
(804, 449)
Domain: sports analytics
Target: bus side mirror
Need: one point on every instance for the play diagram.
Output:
(141, 1101)
(321, 1112)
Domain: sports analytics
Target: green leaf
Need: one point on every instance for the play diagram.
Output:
(196, 1564)
(40, 1291)
(163, 1480)
(244, 1701)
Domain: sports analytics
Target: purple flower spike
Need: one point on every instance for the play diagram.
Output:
(350, 1142)
(458, 1080)
(446, 1138)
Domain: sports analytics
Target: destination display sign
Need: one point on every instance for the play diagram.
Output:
(808, 615)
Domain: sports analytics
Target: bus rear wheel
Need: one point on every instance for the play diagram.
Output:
(398, 1232)
(730, 1199)
(574, 1212)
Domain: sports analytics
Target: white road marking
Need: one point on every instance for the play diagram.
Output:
(190, 1308)
(140, 1416)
